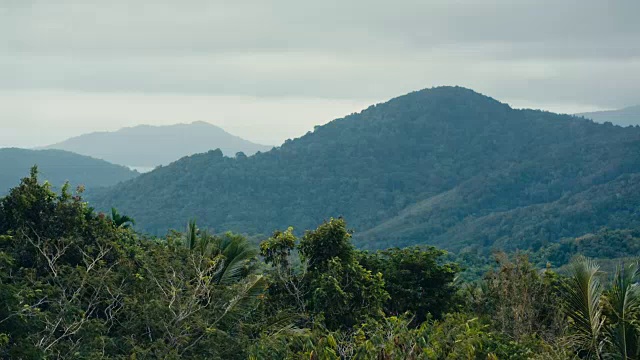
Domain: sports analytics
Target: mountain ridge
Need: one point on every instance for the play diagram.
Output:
(155, 145)
(58, 166)
(370, 166)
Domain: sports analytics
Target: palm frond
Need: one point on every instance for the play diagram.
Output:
(120, 220)
(234, 268)
(584, 295)
(245, 299)
(624, 303)
(237, 252)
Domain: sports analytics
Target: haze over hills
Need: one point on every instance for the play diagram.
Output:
(437, 224)
(444, 166)
(623, 117)
(148, 146)
(58, 166)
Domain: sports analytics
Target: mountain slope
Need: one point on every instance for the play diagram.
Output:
(150, 146)
(623, 117)
(420, 168)
(538, 198)
(614, 204)
(58, 166)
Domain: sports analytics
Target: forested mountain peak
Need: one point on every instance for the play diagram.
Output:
(446, 96)
(451, 108)
(429, 105)
(444, 166)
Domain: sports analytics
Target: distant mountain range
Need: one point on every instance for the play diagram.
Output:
(57, 166)
(623, 117)
(444, 166)
(148, 146)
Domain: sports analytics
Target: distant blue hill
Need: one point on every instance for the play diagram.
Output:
(148, 146)
(623, 117)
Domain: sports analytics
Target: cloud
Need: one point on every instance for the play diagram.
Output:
(600, 82)
(38, 118)
(584, 54)
(122, 27)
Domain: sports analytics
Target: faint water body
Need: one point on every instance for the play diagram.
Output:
(141, 169)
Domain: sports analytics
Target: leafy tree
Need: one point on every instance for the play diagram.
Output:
(415, 279)
(520, 299)
(277, 249)
(329, 241)
(332, 286)
(178, 309)
(74, 285)
(60, 275)
(289, 285)
(344, 292)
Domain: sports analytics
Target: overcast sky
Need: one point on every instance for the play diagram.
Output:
(268, 70)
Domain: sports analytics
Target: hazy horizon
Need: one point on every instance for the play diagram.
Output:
(271, 71)
(232, 122)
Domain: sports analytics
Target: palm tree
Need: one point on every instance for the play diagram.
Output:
(624, 306)
(190, 237)
(584, 296)
(245, 298)
(236, 252)
(121, 221)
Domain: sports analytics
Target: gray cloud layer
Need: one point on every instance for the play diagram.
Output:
(584, 53)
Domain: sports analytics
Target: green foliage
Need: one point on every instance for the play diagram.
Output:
(520, 299)
(121, 220)
(457, 336)
(75, 284)
(623, 303)
(333, 287)
(329, 241)
(416, 280)
(584, 296)
(605, 244)
(59, 260)
(343, 292)
(277, 249)
(346, 294)
(237, 255)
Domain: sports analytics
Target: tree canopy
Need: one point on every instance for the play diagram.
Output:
(77, 284)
